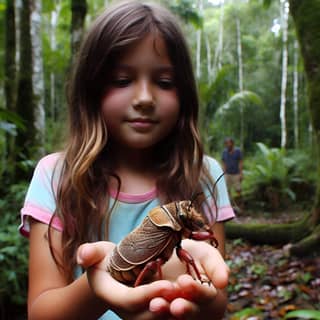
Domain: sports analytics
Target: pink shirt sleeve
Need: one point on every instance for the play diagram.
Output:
(40, 201)
(220, 207)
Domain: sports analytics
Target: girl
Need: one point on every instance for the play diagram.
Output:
(133, 144)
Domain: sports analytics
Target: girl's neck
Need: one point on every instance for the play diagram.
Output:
(135, 169)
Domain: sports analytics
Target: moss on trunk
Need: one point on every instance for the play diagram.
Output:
(308, 245)
(266, 233)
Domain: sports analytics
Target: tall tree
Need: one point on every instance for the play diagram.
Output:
(10, 73)
(217, 63)
(55, 13)
(25, 101)
(284, 78)
(10, 55)
(198, 50)
(79, 11)
(295, 94)
(29, 143)
(306, 18)
(240, 78)
(37, 77)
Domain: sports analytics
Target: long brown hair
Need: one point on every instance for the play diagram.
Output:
(82, 202)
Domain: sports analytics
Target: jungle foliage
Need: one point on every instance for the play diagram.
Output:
(274, 177)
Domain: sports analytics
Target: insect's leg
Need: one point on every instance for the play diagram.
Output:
(154, 265)
(204, 235)
(185, 256)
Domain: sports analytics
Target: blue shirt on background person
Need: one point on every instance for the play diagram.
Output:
(232, 166)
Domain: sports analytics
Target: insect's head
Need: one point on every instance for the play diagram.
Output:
(191, 219)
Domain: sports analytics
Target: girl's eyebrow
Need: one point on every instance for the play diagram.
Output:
(157, 68)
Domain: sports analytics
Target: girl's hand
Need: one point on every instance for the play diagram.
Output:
(195, 300)
(180, 298)
(127, 302)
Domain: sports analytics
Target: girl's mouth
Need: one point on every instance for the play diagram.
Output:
(142, 124)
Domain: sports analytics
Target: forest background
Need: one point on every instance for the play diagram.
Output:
(257, 66)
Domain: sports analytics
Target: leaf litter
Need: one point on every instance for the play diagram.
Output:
(265, 283)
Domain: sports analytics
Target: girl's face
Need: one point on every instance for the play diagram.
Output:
(141, 105)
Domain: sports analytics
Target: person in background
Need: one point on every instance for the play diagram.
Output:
(232, 164)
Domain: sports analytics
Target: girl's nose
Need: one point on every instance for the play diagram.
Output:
(143, 95)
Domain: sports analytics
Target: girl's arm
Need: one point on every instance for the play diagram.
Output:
(50, 296)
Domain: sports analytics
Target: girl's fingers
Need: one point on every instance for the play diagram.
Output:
(210, 260)
(140, 297)
(216, 269)
(184, 309)
(90, 254)
(159, 306)
(195, 291)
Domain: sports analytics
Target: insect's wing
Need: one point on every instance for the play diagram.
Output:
(146, 242)
(165, 216)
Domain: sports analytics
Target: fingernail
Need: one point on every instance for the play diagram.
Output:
(81, 254)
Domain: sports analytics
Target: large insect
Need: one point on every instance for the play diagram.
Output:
(143, 251)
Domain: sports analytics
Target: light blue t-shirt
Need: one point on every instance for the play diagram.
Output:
(129, 210)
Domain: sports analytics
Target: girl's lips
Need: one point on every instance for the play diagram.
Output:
(141, 124)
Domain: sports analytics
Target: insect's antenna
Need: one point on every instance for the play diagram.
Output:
(213, 189)
(194, 197)
(215, 184)
(212, 193)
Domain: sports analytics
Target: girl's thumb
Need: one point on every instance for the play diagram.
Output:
(89, 254)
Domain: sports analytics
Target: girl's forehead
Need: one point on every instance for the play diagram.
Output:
(152, 44)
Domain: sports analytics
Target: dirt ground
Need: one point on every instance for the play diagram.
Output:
(265, 283)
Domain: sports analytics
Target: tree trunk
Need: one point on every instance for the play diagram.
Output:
(79, 11)
(284, 24)
(53, 45)
(198, 49)
(30, 105)
(37, 79)
(10, 56)
(306, 18)
(217, 63)
(269, 233)
(240, 79)
(209, 63)
(295, 94)
(10, 77)
(25, 103)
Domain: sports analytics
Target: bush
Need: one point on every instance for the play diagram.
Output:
(13, 252)
(273, 177)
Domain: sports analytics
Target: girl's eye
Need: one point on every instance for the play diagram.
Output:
(166, 84)
(121, 82)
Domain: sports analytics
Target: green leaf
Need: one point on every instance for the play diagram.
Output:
(267, 3)
(303, 314)
(12, 117)
(245, 313)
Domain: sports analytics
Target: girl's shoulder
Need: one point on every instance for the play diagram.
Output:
(49, 163)
(213, 166)
(51, 159)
